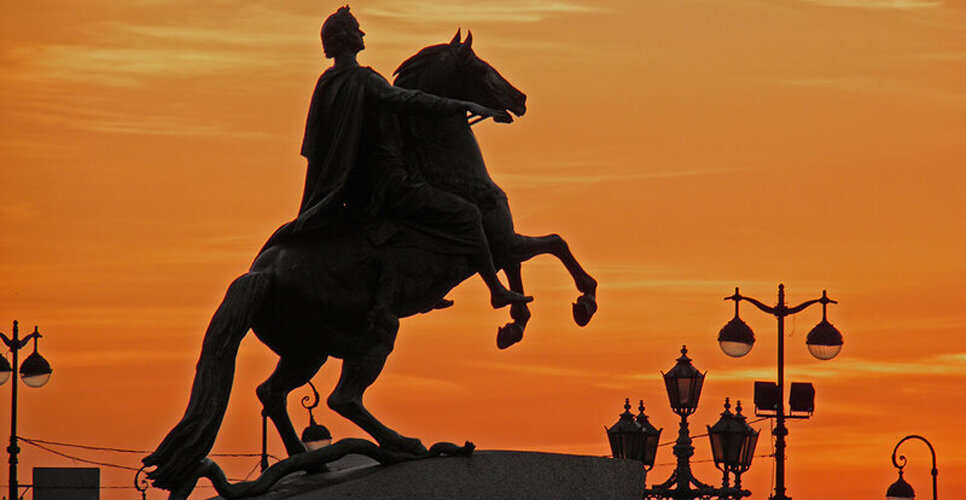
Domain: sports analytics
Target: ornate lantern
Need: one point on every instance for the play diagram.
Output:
(316, 436)
(625, 437)
(733, 442)
(683, 384)
(900, 490)
(651, 436)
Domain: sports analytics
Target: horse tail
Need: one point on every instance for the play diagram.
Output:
(181, 451)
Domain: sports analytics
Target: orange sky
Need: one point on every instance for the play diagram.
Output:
(683, 147)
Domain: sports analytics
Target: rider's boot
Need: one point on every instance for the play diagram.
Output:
(500, 296)
(442, 304)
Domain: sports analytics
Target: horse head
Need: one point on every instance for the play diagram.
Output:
(454, 70)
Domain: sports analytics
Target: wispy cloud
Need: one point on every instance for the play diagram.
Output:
(860, 84)
(120, 357)
(566, 179)
(84, 85)
(122, 53)
(163, 125)
(132, 66)
(410, 382)
(97, 117)
(879, 4)
(538, 370)
(18, 211)
(675, 284)
(948, 55)
(946, 364)
(282, 34)
(638, 277)
(497, 11)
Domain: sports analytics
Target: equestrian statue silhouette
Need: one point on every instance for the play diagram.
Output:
(336, 280)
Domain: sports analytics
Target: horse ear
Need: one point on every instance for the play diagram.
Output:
(468, 43)
(456, 39)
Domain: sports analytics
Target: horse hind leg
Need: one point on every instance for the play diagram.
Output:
(358, 373)
(527, 247)
(290, 373)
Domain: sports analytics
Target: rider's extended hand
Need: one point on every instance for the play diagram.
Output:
(499, 116)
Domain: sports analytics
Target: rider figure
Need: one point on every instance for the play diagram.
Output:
(356, 167)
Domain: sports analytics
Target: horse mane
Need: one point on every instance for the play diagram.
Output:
(412, 71)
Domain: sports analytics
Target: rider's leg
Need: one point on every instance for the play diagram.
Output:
(457, 224)
(482, 263)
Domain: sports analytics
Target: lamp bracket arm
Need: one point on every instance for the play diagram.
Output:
(903, 458)
(804, 305)
(759, 305)
(26, 340)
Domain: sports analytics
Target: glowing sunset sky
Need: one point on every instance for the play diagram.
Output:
(682, 147)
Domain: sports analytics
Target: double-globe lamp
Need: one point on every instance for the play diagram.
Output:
(34, 371)
(824, 341)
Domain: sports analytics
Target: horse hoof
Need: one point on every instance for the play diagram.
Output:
(584, 309)
(509, 335)
(451, 449)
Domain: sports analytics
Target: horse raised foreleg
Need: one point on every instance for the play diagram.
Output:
(526, 247)
(512, 332)
(358, 373)
(290, 373)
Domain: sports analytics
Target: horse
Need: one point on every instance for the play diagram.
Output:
(454, 70)
(311, 298)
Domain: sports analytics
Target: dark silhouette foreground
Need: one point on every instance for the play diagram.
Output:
(338, 288)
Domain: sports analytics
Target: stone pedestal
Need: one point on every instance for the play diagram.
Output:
(485, 475)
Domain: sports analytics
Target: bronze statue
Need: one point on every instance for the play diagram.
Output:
(396, 205)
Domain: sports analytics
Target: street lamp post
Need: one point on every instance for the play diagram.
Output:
(35, 372)
(824, 342)
(315, 436)
(683, 384)
(901, 490)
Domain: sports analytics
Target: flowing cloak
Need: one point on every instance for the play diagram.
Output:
(356, 169)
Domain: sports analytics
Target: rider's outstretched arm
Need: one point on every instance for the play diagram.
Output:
(412, 102)
(419, 103)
